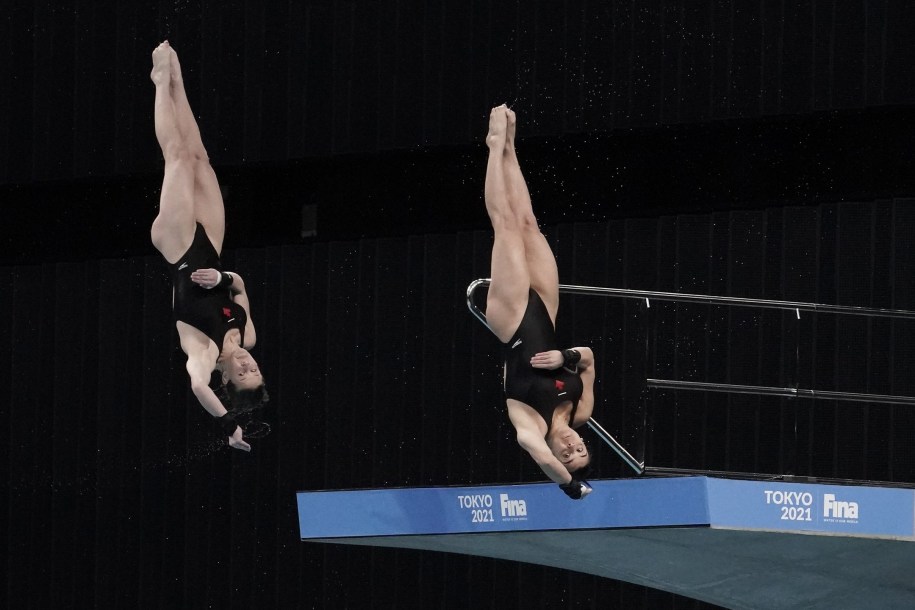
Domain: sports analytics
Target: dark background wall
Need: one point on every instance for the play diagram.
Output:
(718, 147)
(289, 80)
(729, 103)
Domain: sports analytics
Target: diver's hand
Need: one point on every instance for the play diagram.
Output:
(237, 442)
(576, 489)
(206, 278)
(547, 360)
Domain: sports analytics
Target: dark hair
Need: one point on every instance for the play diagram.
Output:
(584, 473)
(244, 401)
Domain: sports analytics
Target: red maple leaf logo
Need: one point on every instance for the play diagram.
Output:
(226, 312)
(560, 385)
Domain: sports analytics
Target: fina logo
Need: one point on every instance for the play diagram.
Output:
(512, 510)
(835, 509)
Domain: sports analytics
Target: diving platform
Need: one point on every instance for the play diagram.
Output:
(734, 543)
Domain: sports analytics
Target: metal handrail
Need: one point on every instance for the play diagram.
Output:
(637, 466)
(672, 384)
(683, 297)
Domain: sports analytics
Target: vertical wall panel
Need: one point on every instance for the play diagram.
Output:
(346, 57)
(782, 327)
(410, 425)
(746, 59)
(289, 378)
(663, 345)
(439, 316)
(854, 251)
(646, 61)
(153, 412)
(95, 77)
(772, 24)
(32, 418)
(473, 409)
(458, 72)
(434, 31)
(693, 252)
(570, 93)
(849, 54)
(875, 37)
(8, 94)
(640, 273)
(671, 41)
(903, 340)
(68, 382)
(114, 432)
(55, 61)
(625, 366)
(20, 376)
(899, 48)
(392, 380)
(363, 108)
(254, 93)
(879, 367)
(7, 514)
(617, 81)
(798, 56)
(824, 50)
(824, 413)
(132, 96)
(746, 254)
(716, 365)
(297, 79)
(544, 35)
(695, 73)
(273, 86)
(406, 71)
(318, 70)
(385, 99)
(30, 397)
(722, 18)
(798, 280)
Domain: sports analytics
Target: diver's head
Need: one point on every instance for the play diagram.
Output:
(569, 448)
(240, 369)
(243, 382)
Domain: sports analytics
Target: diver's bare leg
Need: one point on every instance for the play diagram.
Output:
(508, 292)
(208, 205)
(541, 262)
(173, 230)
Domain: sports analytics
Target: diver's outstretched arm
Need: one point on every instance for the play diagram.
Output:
(200, 385)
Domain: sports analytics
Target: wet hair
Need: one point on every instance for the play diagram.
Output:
(584, 473)
(244, 401)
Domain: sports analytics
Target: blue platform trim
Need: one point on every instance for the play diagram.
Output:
(631, 503)
(794, 507)
(533, 507)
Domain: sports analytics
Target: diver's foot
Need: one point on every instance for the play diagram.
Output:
(177, 78)
(510, 128)
(161, 71)
(498, 125)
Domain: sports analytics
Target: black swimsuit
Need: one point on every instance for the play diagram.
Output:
(211, 311)
(541, 389)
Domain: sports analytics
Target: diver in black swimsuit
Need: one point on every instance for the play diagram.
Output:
(211, 308)
(549, 392)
